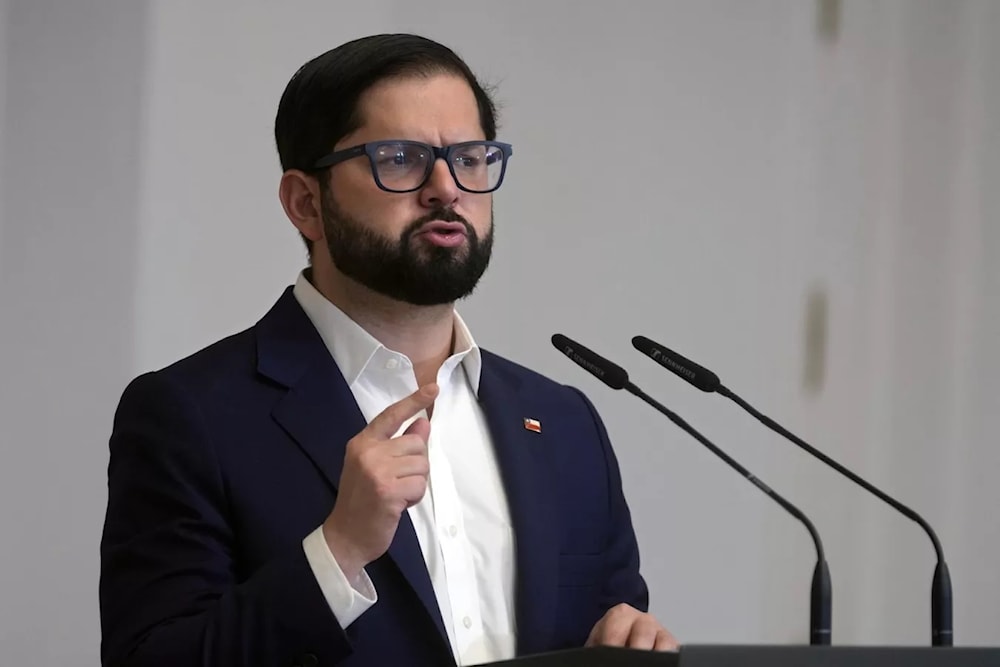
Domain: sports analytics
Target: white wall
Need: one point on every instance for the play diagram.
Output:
(687, 170)
(936, 325)
(71, 162)
(3, 102)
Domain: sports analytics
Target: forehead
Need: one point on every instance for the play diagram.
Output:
(439, 108)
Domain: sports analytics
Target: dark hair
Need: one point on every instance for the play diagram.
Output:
(320, 104)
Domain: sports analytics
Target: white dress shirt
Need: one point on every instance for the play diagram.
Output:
(462, 523)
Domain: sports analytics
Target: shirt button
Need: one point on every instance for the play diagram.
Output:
(392, 363)
(467, 622)
(453, 531)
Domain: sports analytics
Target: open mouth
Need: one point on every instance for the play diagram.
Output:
(443, 234)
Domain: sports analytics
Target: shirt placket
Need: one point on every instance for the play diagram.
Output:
(456, 552)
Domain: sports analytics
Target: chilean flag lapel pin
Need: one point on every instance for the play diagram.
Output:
(532, 425)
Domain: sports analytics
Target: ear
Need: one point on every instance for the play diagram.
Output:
(299, 195)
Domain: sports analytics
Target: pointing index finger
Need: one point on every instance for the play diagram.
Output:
(387, 422)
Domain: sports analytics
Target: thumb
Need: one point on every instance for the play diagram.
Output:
(420, 427)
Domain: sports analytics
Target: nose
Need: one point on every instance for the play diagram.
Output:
(440, 190)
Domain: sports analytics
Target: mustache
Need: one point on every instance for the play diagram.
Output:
(439, 214)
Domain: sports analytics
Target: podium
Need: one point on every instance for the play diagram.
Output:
(766, 656)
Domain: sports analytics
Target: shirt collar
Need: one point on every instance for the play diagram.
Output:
(353, 348)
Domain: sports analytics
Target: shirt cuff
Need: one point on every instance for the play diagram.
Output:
(347, 599)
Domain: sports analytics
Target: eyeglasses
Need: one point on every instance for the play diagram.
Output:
(406, 166)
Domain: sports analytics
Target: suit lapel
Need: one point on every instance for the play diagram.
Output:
(320, 414)
(520, 453)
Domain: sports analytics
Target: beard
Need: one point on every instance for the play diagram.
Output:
(423, 275)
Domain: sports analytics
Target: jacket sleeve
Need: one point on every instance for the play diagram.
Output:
(169, 589)
(623, 583)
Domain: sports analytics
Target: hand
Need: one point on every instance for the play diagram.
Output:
(628, 627)
(382, 476)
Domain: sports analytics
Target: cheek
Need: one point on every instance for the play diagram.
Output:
(381, 211)
(388, 216)
(480, 213)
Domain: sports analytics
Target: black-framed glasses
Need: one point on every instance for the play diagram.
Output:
(406, 166)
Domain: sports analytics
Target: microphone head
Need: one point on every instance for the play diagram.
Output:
(686, 369)
(610, 374)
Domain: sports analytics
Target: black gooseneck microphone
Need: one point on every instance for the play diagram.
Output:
(707, 381)
(614, 376)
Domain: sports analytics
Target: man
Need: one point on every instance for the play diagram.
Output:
(353, 481)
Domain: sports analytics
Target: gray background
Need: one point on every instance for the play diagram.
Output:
(698, 172)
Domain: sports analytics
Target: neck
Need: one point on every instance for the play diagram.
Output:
(423, 333)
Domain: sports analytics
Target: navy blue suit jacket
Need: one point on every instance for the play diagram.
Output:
(222, 463)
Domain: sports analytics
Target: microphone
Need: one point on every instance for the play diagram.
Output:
(707, 381)
(821, 594)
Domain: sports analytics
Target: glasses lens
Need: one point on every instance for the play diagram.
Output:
(478, 166)
(401, 166)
